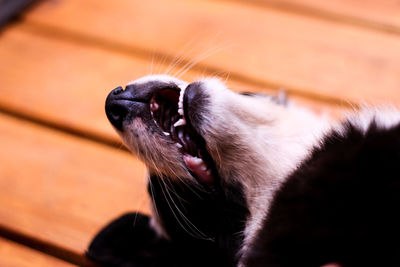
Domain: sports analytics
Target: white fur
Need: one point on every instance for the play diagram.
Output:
(270, 141)
(384, 118)
(159, 78)
(251, 139)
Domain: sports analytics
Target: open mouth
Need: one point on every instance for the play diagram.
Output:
(166, 107)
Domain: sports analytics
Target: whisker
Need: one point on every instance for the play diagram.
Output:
(187, 45)
(153, 198)
(197, 233)
(161, 63)
(186, 182)
(190, 64)
(213, 49)
(186, 220)
(180, 57)
(152, 63)
(141, 201)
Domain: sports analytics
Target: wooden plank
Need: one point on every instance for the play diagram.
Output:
(15, 255)
(267, 46)
(65, 84)
(61, 81)
(60, 189)
(381, 15)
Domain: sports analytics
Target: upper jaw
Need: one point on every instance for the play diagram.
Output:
(196, 113)
(170, 110)
(124, 105)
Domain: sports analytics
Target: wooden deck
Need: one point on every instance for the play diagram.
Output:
(63, 171)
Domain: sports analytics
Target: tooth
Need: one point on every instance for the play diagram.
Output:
(178, 145)
(180, 122)
(197, 161)
(154, 106)
(166, 133)
(193, 160)
(180, 102)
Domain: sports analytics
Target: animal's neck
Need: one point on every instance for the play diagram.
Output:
(286, 144)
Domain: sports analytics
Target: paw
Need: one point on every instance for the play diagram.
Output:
(128, 241)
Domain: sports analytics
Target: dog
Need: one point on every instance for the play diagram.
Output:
(244, 179)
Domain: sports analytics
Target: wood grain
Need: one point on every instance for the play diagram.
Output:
(64, 84)
(15, 255)
(58, 65)
(381, 15)
(261, 46)
(62, 190)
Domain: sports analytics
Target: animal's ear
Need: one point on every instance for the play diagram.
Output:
(128, 241)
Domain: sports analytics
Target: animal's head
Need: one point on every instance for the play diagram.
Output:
(233, 148)
(202, 131)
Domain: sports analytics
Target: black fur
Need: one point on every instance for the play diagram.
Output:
(129, 241)
(219, 215)
(198, 101)
(342, 205)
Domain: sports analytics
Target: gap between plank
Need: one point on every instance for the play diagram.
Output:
(309, 11)
(70, 255)
(46, 247)
(138, 52)
(53, 32)
(51, 124)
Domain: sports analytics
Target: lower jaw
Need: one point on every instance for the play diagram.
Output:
(199, 169)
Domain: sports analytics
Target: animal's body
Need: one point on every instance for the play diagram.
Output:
(243, 180)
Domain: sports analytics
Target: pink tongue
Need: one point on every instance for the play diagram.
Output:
(199, 168)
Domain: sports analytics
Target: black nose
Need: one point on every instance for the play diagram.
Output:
(117, 106)
(122, 106)
(117, 90)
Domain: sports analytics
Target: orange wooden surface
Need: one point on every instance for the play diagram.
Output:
(15, 255)
(381, 15)
(77, 86)
(63, 172)
(259, 45)
(64, 189)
